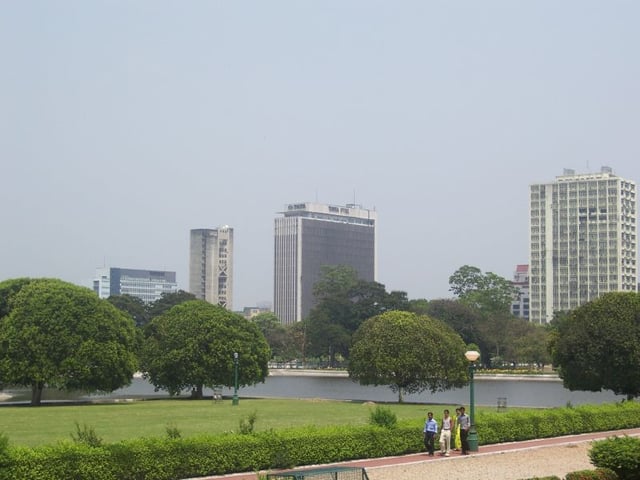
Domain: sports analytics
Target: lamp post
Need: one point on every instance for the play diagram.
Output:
(235, 400)
(471, 357)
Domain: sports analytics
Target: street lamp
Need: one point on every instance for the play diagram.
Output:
(235, 400)
(472, 356)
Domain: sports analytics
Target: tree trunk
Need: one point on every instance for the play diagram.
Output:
(400, 399)
(36, 393)
(197, 392)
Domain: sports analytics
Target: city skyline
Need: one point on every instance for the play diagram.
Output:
(124, 126)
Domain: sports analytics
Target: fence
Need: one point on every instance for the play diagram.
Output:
(325, 473)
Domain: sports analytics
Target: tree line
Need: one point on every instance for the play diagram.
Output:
(55, 334)
(480, 314)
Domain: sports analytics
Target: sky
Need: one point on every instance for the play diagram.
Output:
(124, 124)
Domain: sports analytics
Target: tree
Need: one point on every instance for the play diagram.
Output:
(167, 301)
(132, 306)
(8, 289)
(409, 353)
(597, 345)
(419, 306)
(488, 292)
(530, 345)
(193, 345)
(274, 332)
(343, 303)
(464, 319)
(63, 336)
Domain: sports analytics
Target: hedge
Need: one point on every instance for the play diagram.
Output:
(176, 458)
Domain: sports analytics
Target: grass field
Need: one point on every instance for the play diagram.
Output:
(32, 426)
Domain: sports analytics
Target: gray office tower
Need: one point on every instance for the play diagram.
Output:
(311, 235)
(583, 241)
(211, 265)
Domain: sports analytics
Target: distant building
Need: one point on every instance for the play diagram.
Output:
(211, 265)
(250, 312)
(311, 235)
(582, 241)
(147, 285)
(520, 305)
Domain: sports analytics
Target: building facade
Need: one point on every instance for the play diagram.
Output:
(520, 305)
(310, 236)
(211, 265)
(583, 241)
(147, 285)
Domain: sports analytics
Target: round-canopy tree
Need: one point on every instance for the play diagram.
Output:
(597, 345)
(63, 336)
(409, 353)
(192, 346)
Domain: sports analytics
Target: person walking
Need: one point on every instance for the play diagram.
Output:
(446, 427)
(465, 425)
(456, 432)
(430, 431)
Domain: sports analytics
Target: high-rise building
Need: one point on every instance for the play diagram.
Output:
(211, 265)
(520, 304)
(583, 241)
(148, 285)
(311, 235)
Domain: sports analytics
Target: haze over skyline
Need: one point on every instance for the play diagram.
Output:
(123, 125)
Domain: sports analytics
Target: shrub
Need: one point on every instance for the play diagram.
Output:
(597, 474)
(4, 450)
(86, 436)
(247, 426)
(173, 431)
(383, 417)
(620, 454)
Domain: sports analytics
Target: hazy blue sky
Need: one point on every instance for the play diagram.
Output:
(124, 124)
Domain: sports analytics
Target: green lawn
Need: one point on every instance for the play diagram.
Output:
(33, 426)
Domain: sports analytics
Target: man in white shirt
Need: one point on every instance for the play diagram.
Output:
(446, 427)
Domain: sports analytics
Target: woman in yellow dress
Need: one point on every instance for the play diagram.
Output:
(457, 443)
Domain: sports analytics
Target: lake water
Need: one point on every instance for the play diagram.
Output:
(523, 391)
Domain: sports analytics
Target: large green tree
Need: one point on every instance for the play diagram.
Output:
(59, 335)
(409, 353)
(193, 344)
(490, 293)
(597, 345)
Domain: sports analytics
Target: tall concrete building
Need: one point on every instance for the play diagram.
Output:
(583, 241)
(311, 235)
(148, 285)
(211, 265)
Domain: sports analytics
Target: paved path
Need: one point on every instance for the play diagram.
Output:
(381, 464)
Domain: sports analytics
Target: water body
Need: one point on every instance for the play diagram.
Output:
(521, 391)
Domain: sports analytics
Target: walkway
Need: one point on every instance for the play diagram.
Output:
(380, 464)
